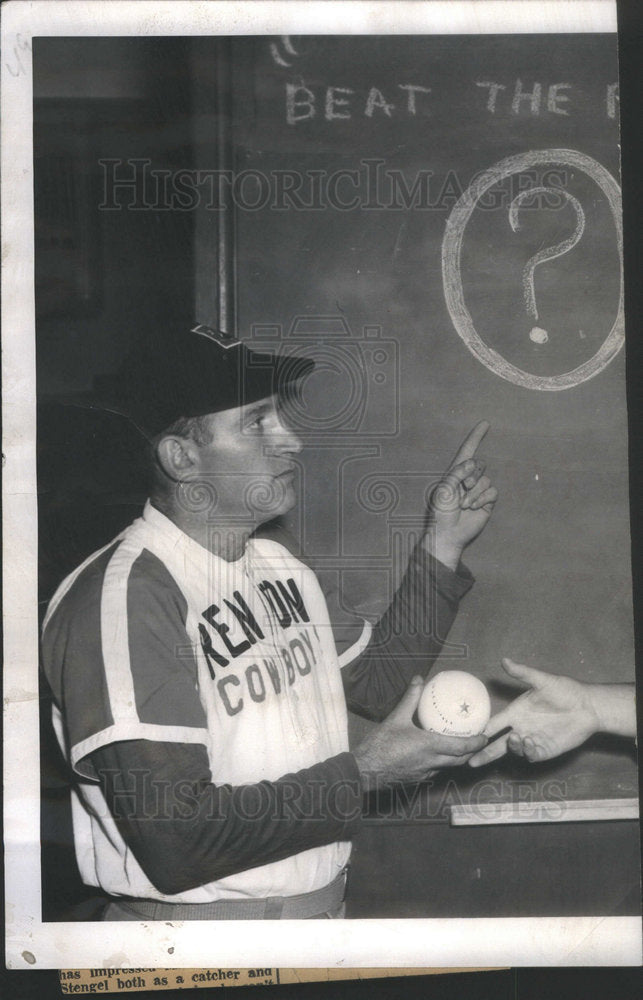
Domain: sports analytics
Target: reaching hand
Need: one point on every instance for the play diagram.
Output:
(461, 503)
(397, 750)
(556, 715)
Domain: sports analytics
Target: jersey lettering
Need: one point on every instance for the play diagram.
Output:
(273, 672)
(303, 667)
(259, 678)
(279, 608)
(290, 670)
(235, 650)
(286, 602)
(294, 600)
(245, 617)
(222, 688)
(209, 651)
(256, 686)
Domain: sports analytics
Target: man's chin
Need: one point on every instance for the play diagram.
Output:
(289, 501)
(278, 501)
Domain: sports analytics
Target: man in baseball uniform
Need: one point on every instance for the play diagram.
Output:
(200, 697)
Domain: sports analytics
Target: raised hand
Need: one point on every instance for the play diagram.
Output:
(398, 751)
(461, 503)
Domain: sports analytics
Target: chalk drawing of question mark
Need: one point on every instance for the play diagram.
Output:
(537, 334)
(452, 274)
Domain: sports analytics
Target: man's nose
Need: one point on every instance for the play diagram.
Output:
(286, 439)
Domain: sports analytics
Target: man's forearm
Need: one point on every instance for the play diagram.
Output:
(445, 551)
(185, 831)
(409, 637)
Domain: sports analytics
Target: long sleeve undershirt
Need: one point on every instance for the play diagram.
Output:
(408, 638)
(184, 831)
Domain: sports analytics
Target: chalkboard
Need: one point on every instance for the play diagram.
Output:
(437, 220)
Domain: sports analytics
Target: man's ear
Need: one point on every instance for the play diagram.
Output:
(177, 456)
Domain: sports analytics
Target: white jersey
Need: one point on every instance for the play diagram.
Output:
(156, 638)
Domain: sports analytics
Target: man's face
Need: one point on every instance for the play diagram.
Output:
(249, 462)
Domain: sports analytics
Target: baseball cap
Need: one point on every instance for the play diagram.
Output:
(191, 374)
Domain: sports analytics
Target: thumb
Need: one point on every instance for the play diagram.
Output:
(409, 701)
(528, 675)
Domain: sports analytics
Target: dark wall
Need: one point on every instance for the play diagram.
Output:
(104, 274)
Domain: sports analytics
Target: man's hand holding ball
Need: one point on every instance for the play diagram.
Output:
(398, 750)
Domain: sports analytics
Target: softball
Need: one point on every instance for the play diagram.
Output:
(454, 703)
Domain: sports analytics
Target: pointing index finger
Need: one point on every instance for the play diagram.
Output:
(470, 444)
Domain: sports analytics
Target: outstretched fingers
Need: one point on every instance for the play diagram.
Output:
(527, 746)
(515, 744)
(534, 751)
(528, 675)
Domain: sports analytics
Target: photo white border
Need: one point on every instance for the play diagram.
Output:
(352, 943)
